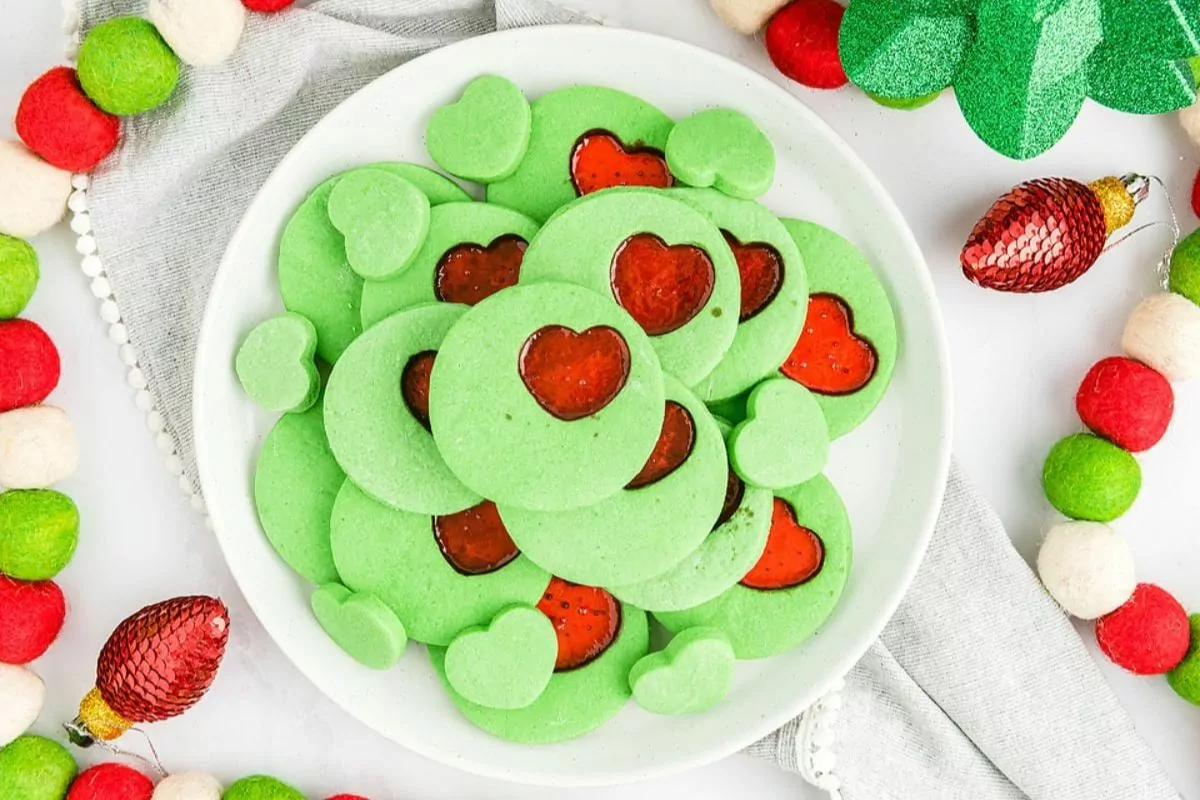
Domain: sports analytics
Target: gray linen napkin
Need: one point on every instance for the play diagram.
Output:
(979, 688)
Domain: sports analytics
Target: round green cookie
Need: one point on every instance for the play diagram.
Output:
(125, 67)
(724, 149)
(574, 702)
(762, 623)
(450, 225)
(18, 275)
(361, 624)
(383, 219)
(719, 562)
(693, 674)
(275, 364)
(39, 529)
(546, 397)
(314, 277)
(508, 664)
(1086, 477)
(483, 136)
(374, 434)
(772, 311)
(836, 267)
(261, 787)
(542, 182)
(636, 533)
(1185, 678)
(585, 244)
(784, 440)
(35, 768)
(395, 556)
(295, 483)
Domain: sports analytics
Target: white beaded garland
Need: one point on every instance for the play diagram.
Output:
(1163, 332)
(166, 445)
(188, 786)
(1087, 568)
(198, 503)
(101, 288)
(136, 378)
(174, 465)
(201, 32)
(33, 194)
(746, 16)
(81, 223)
(109, 312)
(80, 181)
(119, 333)
(143, 400)
(154, 421)
(85, 245)
(38, 447)
(185, 485)
(91, 266)
(22, 695)
(128, 355)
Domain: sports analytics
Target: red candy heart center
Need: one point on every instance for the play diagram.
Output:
(662, 286)
(673, 447)
(586, 621)
(414, 385)
(475, 541)
(573, 375)
(600, 161)
(794, 553)
(735, 490)
(760, 268)
(829, 357)
(469, 273)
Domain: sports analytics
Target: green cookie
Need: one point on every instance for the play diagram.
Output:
(472, 251)
(543, 182)
(484, 135)
(383, 218)
(774, 296)
(572, 399)
(508, 664)
(295, 483)
(373, 431)
(314, 277)
(724, 149)
(766, 622)
(693, 674)
(361, 625)
(838, 271)
(784, 441)
(663, 261)
(397, 556)
(575, 702)
(275, 364)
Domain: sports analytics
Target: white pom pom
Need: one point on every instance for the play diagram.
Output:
(37, 447)
(746, 16)
(81, 223)
(91, 266)
(201, 32)
(1087, 568)
(1163, 332)
(1189, 119)
(188, 786)
(21, 697)
(33, 194)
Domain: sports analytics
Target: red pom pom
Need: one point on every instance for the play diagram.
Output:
(29, 365)
(346, 797)
(267, 6)
(802, 41)
(31, 616)
(1148, 635)
(1196, 195)
(1126, 402)
(111, 782)
(59, 123)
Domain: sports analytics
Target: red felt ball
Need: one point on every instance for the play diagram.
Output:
(346, 797)
(802, 41)
(1149, 635)
(31, 616)
(1126, 402)
(111, 782)
(267, 6)
(1196, 195)
(57, 121)
(29, 364)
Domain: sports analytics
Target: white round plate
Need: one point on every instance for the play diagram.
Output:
(891, 471)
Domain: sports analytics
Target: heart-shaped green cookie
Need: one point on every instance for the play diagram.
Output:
(508, 664)
(484, 135)
(724, 149)
(784, 440)
(360, 624)
(275, 364)
(384, 219)
(693, 674)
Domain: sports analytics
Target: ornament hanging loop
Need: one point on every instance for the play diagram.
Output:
(1139, 187)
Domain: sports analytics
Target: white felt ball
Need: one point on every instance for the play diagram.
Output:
(1189, 118)
(1087, 568)
(33, 194)
(38, 447)
(188, 786)
(201, 32)
(746, 16)
(21, 696)
(1163, 333)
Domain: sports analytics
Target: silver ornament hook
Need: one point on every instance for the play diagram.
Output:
(1139, 188)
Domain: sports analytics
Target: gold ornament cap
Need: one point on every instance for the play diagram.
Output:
(96, 720)
(1119, 197)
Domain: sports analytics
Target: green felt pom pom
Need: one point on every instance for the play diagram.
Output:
(35, 768)
(261, 787)
(1185, 268)
(1086, 477)
(905, 103)
(39, 529)
(126, 68)
(18, 275)
(1185, 678)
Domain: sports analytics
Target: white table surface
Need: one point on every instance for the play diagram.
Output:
(1017, 362)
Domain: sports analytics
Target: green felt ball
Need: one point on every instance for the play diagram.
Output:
(35, 768)
(1185, 678)
(126, 68)
(1086, 477)
(1185, 268)
(39, 529)
(261, 787)
(18, 275)
(905, 103)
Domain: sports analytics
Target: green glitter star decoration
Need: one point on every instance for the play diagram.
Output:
(1021, 69)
